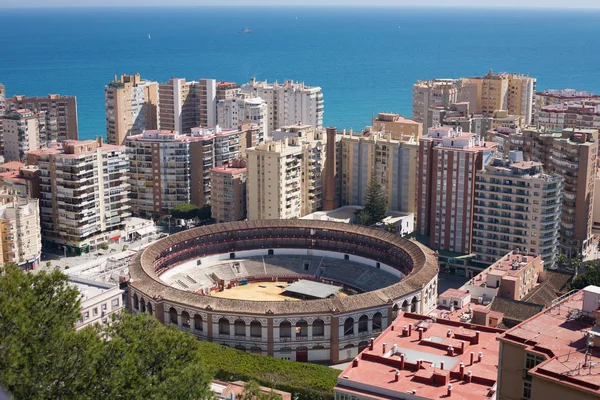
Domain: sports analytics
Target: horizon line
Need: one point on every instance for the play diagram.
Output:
(288, 5)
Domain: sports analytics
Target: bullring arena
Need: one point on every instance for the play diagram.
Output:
(303, 290)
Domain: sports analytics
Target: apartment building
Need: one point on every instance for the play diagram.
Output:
(491, 92)
(21, 242)
(20, 179)
(83, 193)
(100, 302)
(553, 96)
(24, 130)
(226, 90)
(517, 207)
(430, 94)
(418, 357)
(553, 355)
(399, 127)
(289, 103)
(184, 105)
(392, 161)
(131, 107)
(2, 112)
(285, 177)
(167, 168)
(448, 162)
(60, 113)
(239, 109)
(583, 114)
(228, 191)
(572, 154)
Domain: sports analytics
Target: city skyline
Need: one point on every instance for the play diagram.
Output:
(549, 4)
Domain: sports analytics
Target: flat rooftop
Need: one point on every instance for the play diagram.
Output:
(417, 358)
(560, 333)
(311, 289)
(508, 266)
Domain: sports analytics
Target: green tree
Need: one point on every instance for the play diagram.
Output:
(591, 276)
(375, 207)
(391, 228)
(185, 211)
(43, 357)
(204, 212)
(252, 392)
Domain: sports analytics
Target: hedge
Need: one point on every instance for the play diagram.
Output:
(305, 381)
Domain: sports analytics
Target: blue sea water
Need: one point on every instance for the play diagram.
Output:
(365, 59)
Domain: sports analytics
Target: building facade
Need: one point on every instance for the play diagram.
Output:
(399, 127)
(131, 107)
(60, 113)
(289, 103)
(431, 94)
(449, 160)
(20, 179)
(185, 105)
(285, 177)
(553, 355)
(21, 242)
(393, 162)
(237, 110)
(553, 96)
(583, 114)
(517, 206)
(24, 130)
(84, 194)
(228, 191)
(100, 302)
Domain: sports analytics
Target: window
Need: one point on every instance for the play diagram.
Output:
(95, 311)
(104, 307)
(115, 303)
(86, 315)
(526, 390)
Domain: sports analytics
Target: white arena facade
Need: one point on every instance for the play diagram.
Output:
(302, 290)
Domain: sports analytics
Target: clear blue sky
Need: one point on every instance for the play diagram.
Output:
(369, 3)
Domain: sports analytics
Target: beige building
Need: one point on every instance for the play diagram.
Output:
(20, 230)
(285, 176)
(517, 206)
(431, 94)
(100, 302)
(553, 355)
(491, 92)
(184, 105)
(83, 193)
(399, 127)
(228, 191)
(60, 113)
(21, 179)
(239, 109)
(552, 96)
(392, 161)
(23, 130)
(131, 107)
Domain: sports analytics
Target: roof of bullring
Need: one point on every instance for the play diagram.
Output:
(145, 279)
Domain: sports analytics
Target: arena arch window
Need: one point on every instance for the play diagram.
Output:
(414, 304)
(255, 329)
(136, 302)
(239, 327)
(149, 308)
(185, 319)
(377, 321)
(142, 305)
(394, 311)
(318, 327)
(363, 324)
(301, 328)
(173, 315)
(240, 347)
(285, 329)
(223, 326)
(198, 322)
(271, 252)
(349, 326)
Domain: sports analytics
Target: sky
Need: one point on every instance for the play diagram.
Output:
(342, 3)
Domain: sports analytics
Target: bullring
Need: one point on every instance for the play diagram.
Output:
(332, 329)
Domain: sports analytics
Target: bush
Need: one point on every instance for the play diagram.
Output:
(304, 381)
(48, 263)
(67, 267)
(104, 246)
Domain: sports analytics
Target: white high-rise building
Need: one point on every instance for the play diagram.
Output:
(290, 103)
(233, 112)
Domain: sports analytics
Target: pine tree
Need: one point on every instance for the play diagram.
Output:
(375, 202)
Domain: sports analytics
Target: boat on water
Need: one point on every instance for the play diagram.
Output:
(245, 30)
(149, 37)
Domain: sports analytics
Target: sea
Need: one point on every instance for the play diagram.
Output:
(365, 59)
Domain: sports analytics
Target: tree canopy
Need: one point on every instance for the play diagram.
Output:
(591, 276)
(43, 357)
(375, 207)
(185, 211)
